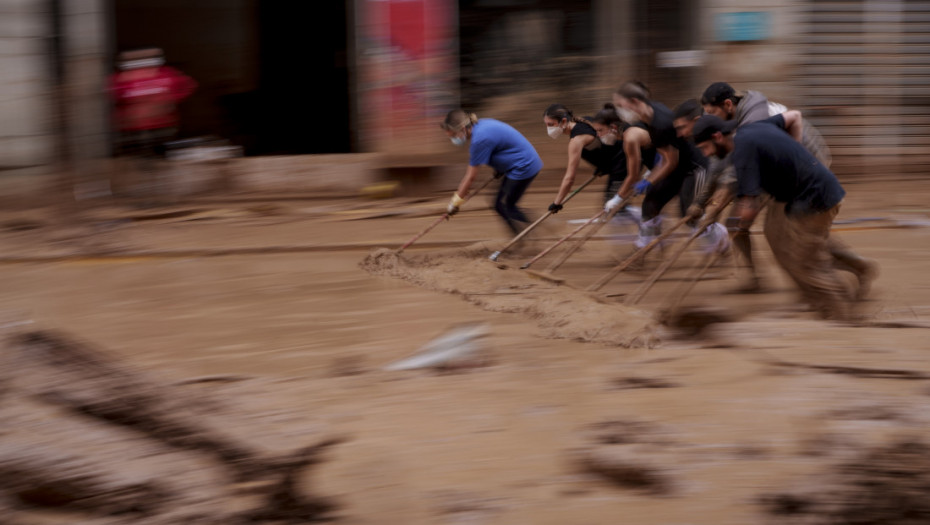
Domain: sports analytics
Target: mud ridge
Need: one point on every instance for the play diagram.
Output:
(561, 312)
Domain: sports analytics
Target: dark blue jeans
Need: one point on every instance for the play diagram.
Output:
(505, 203)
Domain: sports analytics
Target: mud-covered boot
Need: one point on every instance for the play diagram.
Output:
(865, 270)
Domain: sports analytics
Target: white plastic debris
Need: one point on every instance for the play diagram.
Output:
(458, 344)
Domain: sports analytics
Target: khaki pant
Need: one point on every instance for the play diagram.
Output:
(803, 248)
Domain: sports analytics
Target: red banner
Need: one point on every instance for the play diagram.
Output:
(407, 72)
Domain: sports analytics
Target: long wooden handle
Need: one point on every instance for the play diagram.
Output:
(681, 291)
(575, 247)
(543, 253)
(536, 223)
(639, 254)
(640, 292)
(444, 217)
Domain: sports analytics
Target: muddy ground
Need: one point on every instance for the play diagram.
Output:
(276, 317)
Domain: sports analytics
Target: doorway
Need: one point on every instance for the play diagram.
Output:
(270, 77)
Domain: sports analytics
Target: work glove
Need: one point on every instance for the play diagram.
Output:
(613, 203)
(642, 187)
(454, 204)
(555, 208)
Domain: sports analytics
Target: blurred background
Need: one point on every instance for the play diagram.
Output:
(362, 84)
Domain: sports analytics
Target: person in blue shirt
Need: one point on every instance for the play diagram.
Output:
(498, 145)
(769, 158)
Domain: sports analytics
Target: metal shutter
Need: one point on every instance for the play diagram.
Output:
(865, 82)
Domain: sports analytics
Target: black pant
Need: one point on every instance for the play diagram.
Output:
(505, 204)
(614, 181)
(678, 183)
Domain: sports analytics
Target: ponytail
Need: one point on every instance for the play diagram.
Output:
(458, 119)
(560, 112)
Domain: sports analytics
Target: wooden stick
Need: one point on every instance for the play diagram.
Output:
(536, 223)
(571, 251)
(558, 243)
(710, 218)
(597, 285)
(444, 217)
(637, 295)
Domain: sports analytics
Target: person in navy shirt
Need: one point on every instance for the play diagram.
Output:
(769, 158)
(498, 145)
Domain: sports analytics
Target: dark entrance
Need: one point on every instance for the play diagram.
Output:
(273, 76)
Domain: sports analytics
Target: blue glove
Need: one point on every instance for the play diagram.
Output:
(642, 187)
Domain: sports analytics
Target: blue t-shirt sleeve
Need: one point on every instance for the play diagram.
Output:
(480, 152)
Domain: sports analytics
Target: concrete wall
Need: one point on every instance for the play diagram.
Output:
(40, 137)
(26, 138)
(767, 65)
(86, 70)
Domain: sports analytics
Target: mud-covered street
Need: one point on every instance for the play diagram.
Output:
(266, 324)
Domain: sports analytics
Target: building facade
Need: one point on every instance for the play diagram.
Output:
(375, 77)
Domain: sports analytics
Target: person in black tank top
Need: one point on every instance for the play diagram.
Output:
(602, 150)
(583, 144)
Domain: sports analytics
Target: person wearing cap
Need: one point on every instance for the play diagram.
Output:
(806, 195)
(498, 145)
(675, 168)
(724, 102)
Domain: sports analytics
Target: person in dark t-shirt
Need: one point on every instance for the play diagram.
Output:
(807, 197)
(676, 168)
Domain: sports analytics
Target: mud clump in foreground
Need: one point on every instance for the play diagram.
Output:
(887, 485)
(129, 449)
(561, 312)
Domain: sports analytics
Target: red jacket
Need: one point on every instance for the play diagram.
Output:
(147, 98)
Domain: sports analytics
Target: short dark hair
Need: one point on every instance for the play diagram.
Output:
(718, 92)
(707, 125)
(690, 109)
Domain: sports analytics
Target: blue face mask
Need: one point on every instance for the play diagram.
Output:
(458, 141)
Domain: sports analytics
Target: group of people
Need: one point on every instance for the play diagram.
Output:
(727, 147)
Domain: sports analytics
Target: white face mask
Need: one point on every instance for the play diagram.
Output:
(554, 131)
(608, 139)
(458, 141)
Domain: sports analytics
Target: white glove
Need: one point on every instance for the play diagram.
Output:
(613, 203)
